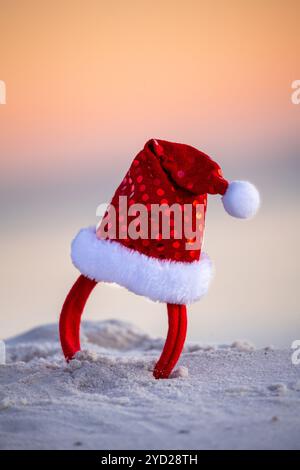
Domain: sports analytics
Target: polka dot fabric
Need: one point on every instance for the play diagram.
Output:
(165, 173)
(135, 249)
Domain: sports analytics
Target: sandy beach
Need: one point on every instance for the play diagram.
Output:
(219, 397)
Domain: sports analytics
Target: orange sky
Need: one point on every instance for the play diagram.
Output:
(87, 79)
(87, 83)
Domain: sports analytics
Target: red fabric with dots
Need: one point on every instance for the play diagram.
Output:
(166, 173)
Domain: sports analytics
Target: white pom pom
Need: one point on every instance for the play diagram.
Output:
(241, 199)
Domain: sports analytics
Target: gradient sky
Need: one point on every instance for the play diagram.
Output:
(88, 82)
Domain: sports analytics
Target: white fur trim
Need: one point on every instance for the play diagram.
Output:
(159, 280)
(241, 199)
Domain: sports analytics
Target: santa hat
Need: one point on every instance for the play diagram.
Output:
(172, 269)
(138, 254)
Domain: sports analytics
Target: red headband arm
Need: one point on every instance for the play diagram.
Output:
(69, 327)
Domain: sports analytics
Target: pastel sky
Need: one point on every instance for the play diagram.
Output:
(88, 82)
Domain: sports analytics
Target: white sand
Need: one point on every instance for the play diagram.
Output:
(226, 397)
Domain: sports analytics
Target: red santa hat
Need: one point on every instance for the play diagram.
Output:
(166, 267)
(171, 269)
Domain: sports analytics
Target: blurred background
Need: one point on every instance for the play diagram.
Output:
(88, 82)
